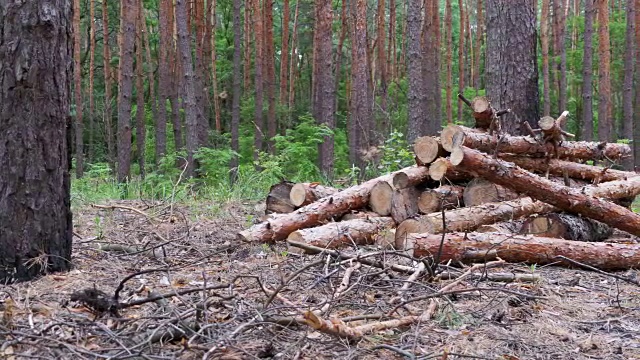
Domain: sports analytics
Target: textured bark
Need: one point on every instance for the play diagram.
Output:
(505, 227)
(627, 86)
(202, 123)
(150, 73)
(176, 88)
(444, 197)
(92, 65)
(544, 45)
(339, 55)
(560, 52)
(77, 89)
(526, 248)
(313, 214)
(214, 71)
(576, 201)
(511, 70)
(35, 96)
(305, 193)
(416, 96)
(164, 79)
(572, 169)
(461, 51)
(324, 82)
(404, 203)
(381, 69)
(343, 234)
(574, 150)
(480, 191)
(278, 199)
(259, 72)
(235, 102)
(270, 78)
(187, 83)
(479, 43)
(106, 56)
(140, 108)
(248, 21)
(566, 226)
(391, 43)
(587, 70)
(125, 88)
(431, 78)
(448, 23)
(284, 53)
(636, 113)
(294, 57)
(605, 122)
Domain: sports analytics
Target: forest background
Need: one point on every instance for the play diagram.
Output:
(222, 99)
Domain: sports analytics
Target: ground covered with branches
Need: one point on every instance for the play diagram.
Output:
(198, 293)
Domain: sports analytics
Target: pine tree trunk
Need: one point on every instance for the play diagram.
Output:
(92, 64)
(259, 70)
(140, 107)
(416, 97)
(293, 62)
(106, 56)
(164, 79)
(284, 53)
(269, 56)
(381, 68)
(636, 122)
(627, 91)
(202, 122)
(391, 42)
(544, 44)
(214, 71)
(449, 40)
(235, 111)
(361, 107)
(560, 53)
(479, 42)
(605, 124)
(511, 64)
(77, 89)
(128, 26)
(35, 157)
(248, 20)
(461, 46)
(151, 79)
(587, 70)
(432, 124)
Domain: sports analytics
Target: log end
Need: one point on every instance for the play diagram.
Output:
(298, 194)
(446, 136)
(427, 149)
(409, 226)
(380, 198)
(428, 202)
(547, 123)
(400, 180)
(438, 169)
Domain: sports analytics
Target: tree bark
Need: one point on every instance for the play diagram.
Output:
(449, 41)
(140, 107)
(305, 193)
(284, 53)
(128, 26)
(92, 65)
(627, 91)
(36, 55)
(416, 96)
(106, 57)
(560, 52)
(279, 200)
(605, 123)
(577, 201)
(636, 122)
(313, 214)
(77, 89)
(587, 70)
(442, 169)
(445, 197)
(479, 42)
(511, 66)
(150, 72)
(202, 122)
(461, 51)
(269, 55)
(544, 45)
(337, 235)
(431, 125)
(164, 79)
(235, 102)
(480, 191)
(324, 83)
(525, 248)
(566, 226)
(259, 81)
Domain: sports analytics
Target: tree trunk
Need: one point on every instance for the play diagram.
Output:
(125, 69)
(294, 57)
(35, 94)
(140, 108)
(560, 52)
(442, 169)
(284, 53)
(356, 232)
(636, 122)
(448, 23)
(306, 193)
(431, 125)
(77, 89)
(202, 122)
(259, 69)
(566, 226)
(480, 191)
(235, 105)
(478, 47)
(577, 201)
(92, 64)
(461, 51)
(587, 70)
(511, 65)
(525, 248)
(248, 21)
(189, 99)
(214, 71)
(416, 97)
(164, 79)
(269, 56)
(544, 44)
(279, 198)
(106, 57)
(381, 68)
(605, 123)
(404, 203)
(391, 42)
(574, 150)
(150, 72)
(324, 82)
(427, 149)
(627, 91)
(313, 214)
(445, 197)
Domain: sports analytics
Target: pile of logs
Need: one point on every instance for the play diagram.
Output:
(475, 194)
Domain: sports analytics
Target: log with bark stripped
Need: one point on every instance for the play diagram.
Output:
(524, 248)
(578, 201)
(278, 200)
(427, 149)
(480, 191)
(446, 196)
(526, 145)
(566, 226)
(380, 198)
(305, 193)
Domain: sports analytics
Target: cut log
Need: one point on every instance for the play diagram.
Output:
(526, 248)
(442, 169)
(505, 227)
(342, 234)
(305, 193)
(380, 198)
(278, 200)
(482, 112)
(574, 170)
(404, 203)
(480, 191)
(358, 215)
(573, 150)
(470, 218)
(566, 226)
(444, 197)
(410, 177)
(427, 149)
(577, 201)
(314, 214)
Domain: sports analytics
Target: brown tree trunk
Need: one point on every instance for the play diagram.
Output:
(77, 87)
(140, 108)
(269, 56)
(479, 43)
(125, 69)
(381, 68)
(560, 52)
(391, 42)
(444, 197)
(293, 63)
(164, 78)
(511, 70)
(544, 44)
(461, 51)
(324, 100)
(92, 64)
(35, 157)
(360, 122)
(575, 201)
(248, 21)
(106, 56)
(279, 198)
(338, 66)
(416, 96)
(605, 124)
(627, 91)
(566, 226)
(202, 123)
(524, 248)
(259, 81)
(587, 70)
(235, 102)
(187, 83)
(214, 71)
(305, 193)
(151, 79)
(449, 41)
(636, 122)
(432, 124)
(284, 53)
(176, 88)
(343, 234)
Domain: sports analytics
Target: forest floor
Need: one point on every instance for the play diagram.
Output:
(568, 314)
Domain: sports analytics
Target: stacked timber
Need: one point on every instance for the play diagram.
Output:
(475, 193)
